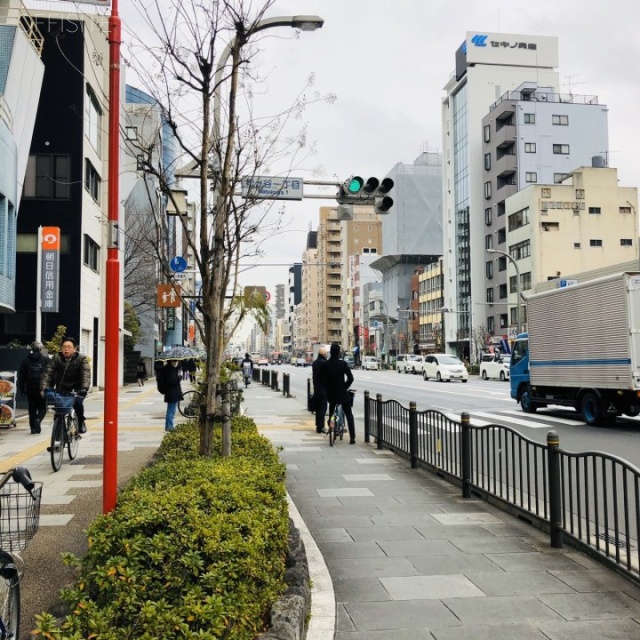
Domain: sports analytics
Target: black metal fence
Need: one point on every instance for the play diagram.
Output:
(589, 499)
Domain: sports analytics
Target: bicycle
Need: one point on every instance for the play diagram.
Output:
(189, 406)
(336, 424)
(19, 518)
(64, 432)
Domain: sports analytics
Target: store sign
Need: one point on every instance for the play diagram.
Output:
(50, 269)
(171, 319)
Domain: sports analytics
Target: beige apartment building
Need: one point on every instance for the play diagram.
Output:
(337, 241)
(583, 224)
(309, 307)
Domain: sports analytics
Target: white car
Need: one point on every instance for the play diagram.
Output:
(409, 363)
(443, 366)
(370, 363)
(495, 365)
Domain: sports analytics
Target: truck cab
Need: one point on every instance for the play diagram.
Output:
(519, 367)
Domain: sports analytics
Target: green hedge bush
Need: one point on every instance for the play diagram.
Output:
(196, 548)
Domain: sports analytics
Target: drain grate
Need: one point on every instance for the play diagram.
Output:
(88, 460)
(612, 540)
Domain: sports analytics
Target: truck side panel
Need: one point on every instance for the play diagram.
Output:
(582, 336)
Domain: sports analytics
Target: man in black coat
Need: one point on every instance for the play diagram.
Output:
(319, 397)
(338, 378)
(169, 385)
(29, 377)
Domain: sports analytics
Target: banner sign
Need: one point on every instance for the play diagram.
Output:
(50, 269)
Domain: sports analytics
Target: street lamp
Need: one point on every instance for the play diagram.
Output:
(518, 293)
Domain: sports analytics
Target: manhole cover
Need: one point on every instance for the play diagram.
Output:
(89, 460)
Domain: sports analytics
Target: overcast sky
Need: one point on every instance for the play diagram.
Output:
(387, 61)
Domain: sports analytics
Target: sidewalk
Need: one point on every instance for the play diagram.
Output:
(394, 553)
(409, 559)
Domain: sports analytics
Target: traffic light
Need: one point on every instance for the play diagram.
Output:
(372, 192)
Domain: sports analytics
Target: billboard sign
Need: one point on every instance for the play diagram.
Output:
(50, 270)
(509, 49)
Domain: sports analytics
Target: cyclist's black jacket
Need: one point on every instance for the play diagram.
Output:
(73, 374)
(335, 371)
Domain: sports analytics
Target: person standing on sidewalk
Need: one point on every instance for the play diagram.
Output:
(319, 398)
(29, 377)
(169, 385)
(338, 378)
(141, 372)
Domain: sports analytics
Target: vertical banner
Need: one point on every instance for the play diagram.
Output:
(50, 269)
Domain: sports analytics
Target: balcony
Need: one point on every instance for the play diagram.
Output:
(506, 165)
(505, 137)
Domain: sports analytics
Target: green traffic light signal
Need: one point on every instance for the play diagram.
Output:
(354, 184)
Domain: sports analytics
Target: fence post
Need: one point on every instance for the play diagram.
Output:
(379, 420)
(285, 385)
(465, 453)
(274, 380)
(367, 426)
(555, 490)
(413, 434)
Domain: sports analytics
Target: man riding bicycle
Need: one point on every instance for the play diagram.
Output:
(68, 371)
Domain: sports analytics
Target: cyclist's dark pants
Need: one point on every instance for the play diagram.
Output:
(78, 406)
(348, 414)
(320, 408)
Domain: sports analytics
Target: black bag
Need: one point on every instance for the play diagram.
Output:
(160, 380)
(34, 373)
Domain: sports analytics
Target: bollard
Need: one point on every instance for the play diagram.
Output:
(274, 380)
(367, 426)
(465, 454)
(265, 377)
(379, 420)
(413, 434)
(285, 385)
(555, 490)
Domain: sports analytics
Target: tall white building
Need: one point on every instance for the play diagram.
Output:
(486, 66)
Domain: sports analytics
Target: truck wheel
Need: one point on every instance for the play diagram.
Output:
(590, 407)
(484, 374)
(525, 401)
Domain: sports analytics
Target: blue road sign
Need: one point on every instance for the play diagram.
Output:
(178, 264)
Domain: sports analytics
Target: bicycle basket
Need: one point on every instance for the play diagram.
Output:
(62, 403)
(19, 515)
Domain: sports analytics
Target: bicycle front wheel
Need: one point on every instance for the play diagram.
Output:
(57, 443)
(9, 596)
(73, 437)
(189, 406)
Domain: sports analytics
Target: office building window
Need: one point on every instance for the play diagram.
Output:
(487, 190)
(502, 263)
(520, 250)
(595, 210)
(503, 320)
(487, 133)
(47, 177)
(529, 118)
(525, 281)
(488, 241)
(487, 161)
(624, 209)
(490, 294)
(531, 176)
(626, 242)
(93, 121)
(560, 119)
(561, 149)
(502, 235)
(502, 291)
(559, 177)
(489, 269)
(595, 243)
(91, 254)
(518, 219)
(576, 245)
(491, 326)
(488, 215)
(92, 181)
(529, 147)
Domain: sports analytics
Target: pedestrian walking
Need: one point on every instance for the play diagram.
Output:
(168, 379)
(319, 397)
(338, 378)
(29, 377)
(141, 372)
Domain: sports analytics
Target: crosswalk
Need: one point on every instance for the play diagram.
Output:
(513, 418)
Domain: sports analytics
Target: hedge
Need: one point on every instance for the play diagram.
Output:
(196, 548)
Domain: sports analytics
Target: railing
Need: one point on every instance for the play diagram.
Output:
(590, 499)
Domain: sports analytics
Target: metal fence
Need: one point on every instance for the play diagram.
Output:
(590, 499)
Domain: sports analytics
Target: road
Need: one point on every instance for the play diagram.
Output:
(488, 402)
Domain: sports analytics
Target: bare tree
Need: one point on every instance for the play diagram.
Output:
(210, 112)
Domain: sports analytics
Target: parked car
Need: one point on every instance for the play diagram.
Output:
(495, 365)
(350, 360)
(370, 363)
(443, 366)
(408, 363)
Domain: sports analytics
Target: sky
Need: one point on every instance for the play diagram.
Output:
(387, 62)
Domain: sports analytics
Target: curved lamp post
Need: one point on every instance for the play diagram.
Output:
(518, 292)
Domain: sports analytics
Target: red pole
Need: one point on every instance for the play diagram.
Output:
(112, 316)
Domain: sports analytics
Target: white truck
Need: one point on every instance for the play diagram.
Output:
(582, 349)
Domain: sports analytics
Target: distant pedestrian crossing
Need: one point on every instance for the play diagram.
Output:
(511, 418)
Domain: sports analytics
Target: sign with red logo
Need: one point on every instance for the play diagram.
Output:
(50, 270)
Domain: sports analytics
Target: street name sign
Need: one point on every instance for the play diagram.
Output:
(268, 188)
